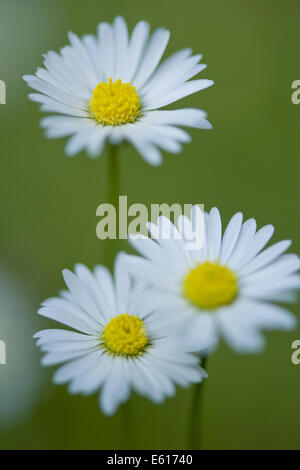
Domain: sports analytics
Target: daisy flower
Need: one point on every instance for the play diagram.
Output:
(109, 88)
(226, 289)
(119, 345)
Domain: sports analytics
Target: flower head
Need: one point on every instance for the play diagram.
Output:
(228, 287)
(109, 87)
(120, 344)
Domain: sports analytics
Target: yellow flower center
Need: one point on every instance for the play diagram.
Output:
(210, 285)
(115, 103)
(125, 335)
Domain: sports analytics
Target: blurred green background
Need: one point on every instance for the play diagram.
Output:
(248, 162)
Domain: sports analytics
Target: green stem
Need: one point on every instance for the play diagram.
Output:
(197, 413)
(113, 197)
(114, 175)
(127, 425)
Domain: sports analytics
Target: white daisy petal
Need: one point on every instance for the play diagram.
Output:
(137, 45)
(256, 244)
(105, 283)
(202, 332)
(181, 375)
(115, 389)
(180, 117)
(53, 336)
(61, 126)
(181, 92)
(85, 59)
(77, 66)
(145, 382)
(77, 142)
(52, 106)
(116, 135)
(121, 47)
(230, 237)
(70, 318)
(49, 90)
(92, 48)
(146, 270)
(153, 53)
(90, 282)
(69, 346)
(279, 269)
(265, 258)
(151, 250)
(270, 316)
(92, 377)
(242, 340)
(98, 136)
(58, 357)
(214, 234)
(149, 152)
(64, 75)
(46, 76)
(106, 42)
(167, 69)
(75, 368)
(47, 100)
(81, 295)
(172, 78)
(247, 232)
(164, 137)
(168, 237)
(267, 290)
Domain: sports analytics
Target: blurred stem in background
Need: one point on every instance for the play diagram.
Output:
(196, 437)
(113, 198)
(110, 253)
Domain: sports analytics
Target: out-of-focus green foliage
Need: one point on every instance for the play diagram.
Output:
(248, 162)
